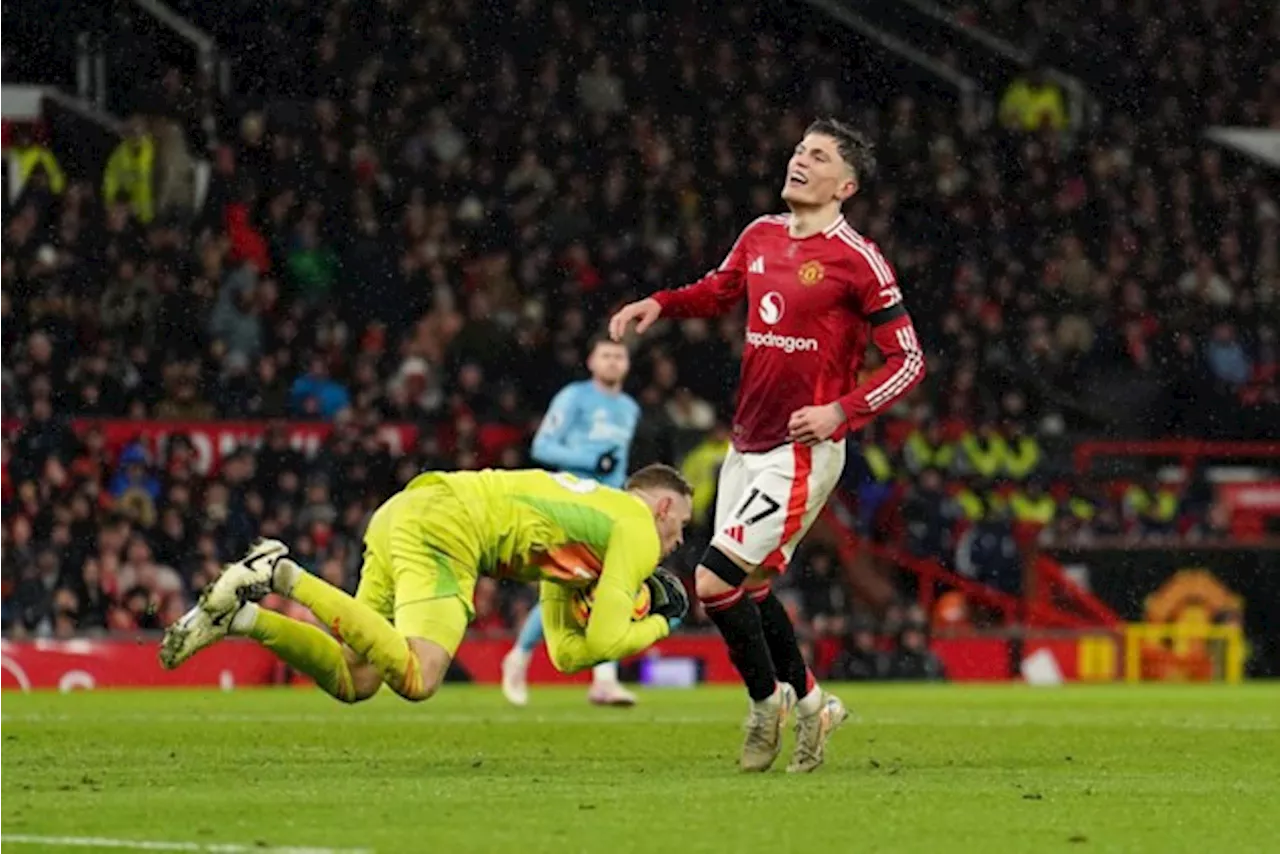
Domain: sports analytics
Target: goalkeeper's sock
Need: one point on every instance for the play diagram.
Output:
(300, 645)
(531, 631)
(738, 620)
(780, 635)
(365, 631)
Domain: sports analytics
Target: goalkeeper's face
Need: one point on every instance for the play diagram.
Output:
(671, 512)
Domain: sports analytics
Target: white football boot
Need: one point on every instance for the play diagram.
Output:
(610, 694)
(606, 690)
(812, 732)
(515, 677)
(248, 580)
(764, 728)
(189, 634)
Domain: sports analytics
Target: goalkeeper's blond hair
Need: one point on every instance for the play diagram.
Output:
(659, 476)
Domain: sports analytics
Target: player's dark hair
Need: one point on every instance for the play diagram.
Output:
(660, 476)
(601, 340)
(854, 147)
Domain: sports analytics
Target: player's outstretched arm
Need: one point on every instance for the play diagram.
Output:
(714, 294)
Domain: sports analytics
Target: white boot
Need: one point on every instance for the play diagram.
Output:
(606, 690)
(515, 676)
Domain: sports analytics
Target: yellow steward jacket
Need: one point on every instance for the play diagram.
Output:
(130, 171)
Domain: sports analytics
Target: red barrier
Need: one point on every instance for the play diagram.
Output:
(973, 659)
(214, 440)
(88, 664)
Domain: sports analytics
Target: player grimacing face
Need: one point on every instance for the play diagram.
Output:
(817, 175)
(609, 363)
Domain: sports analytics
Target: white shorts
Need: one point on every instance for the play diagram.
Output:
(767, 501)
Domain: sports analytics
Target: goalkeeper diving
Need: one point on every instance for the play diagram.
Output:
(425, 548)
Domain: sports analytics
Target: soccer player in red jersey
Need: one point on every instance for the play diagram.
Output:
(816, 292)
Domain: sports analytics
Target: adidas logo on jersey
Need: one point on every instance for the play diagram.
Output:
(757, 266)
(735, 533)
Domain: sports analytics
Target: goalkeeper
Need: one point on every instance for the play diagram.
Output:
(424, 550)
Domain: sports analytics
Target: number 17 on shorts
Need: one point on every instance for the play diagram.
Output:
(767, 501)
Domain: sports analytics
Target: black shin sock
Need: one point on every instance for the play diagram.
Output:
(780, 635)
(736, 617)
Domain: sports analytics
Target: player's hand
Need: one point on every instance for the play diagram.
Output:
(810, 425)
(667, 596)
(607, 462)
(644, 312)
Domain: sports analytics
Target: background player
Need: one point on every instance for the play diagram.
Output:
(816, 290)
(587, 432)
(424, 551)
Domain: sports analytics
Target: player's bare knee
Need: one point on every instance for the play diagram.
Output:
(365, 682)
(707, 584)
(433, 662)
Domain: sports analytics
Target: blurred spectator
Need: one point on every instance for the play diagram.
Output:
(930, 518)
(860, 660)
(1227, 360)
(38, 168)
(1033, 103)
(912, 660)
(989, 553)
(701, 467)
(131, 171)
(315, 394)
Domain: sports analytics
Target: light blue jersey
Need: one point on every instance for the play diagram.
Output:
(583, 423)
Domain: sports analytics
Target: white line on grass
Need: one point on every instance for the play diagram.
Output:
(152, 845)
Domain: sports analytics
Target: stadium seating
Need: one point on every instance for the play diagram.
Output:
(422, 228)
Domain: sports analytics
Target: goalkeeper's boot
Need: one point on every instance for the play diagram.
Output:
(248, 580)
(764, 726)
(812, 732)
(610, 693)
(515, 676)
(190, 633)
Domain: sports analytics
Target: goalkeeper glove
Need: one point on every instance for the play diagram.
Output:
(668, 596)
(607, 462)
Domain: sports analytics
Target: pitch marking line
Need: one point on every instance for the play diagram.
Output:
(152, 845)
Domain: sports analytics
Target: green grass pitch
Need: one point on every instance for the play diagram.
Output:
(928, 769)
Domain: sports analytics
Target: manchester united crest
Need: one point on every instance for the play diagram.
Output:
(811, 273)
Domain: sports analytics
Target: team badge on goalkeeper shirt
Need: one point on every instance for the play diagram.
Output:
(811, 272)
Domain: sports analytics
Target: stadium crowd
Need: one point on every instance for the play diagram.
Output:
(1188, 63)
(425, 225)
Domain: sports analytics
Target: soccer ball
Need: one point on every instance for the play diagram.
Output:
(583, 600)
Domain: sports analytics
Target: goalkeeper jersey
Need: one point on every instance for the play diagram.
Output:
(567, 533)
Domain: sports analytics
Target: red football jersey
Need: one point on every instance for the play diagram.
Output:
(812, 305)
